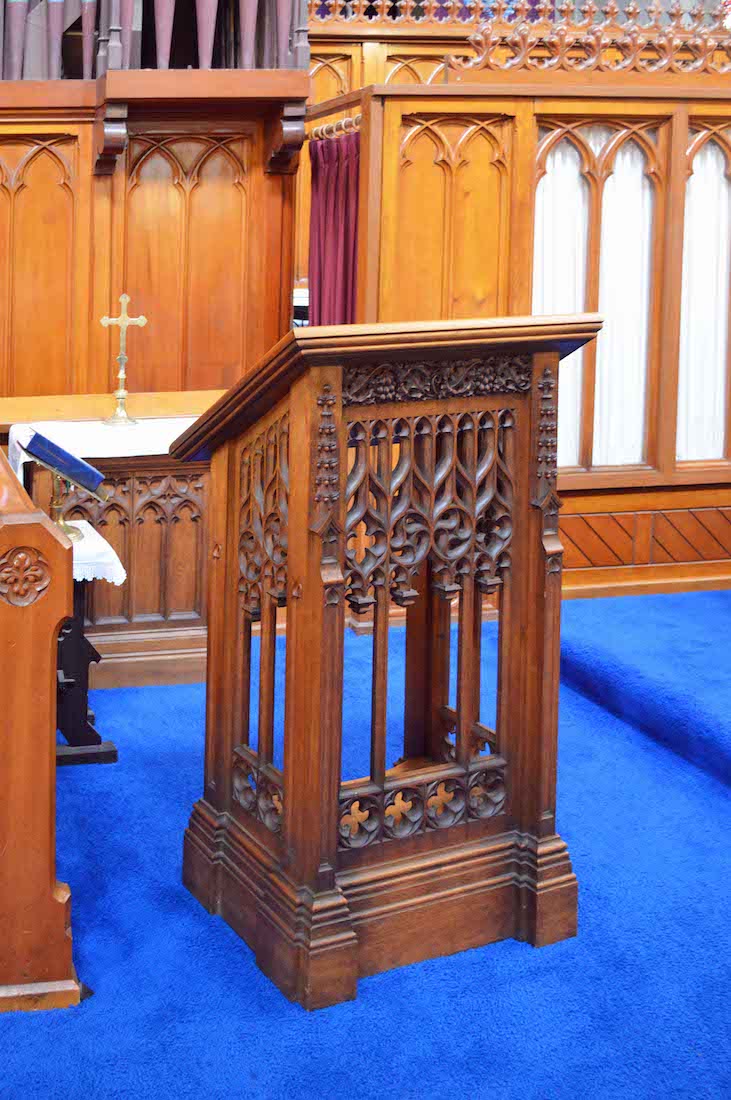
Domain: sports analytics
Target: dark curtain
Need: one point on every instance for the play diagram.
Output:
(334, 229)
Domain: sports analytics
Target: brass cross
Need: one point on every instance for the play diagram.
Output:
(122, 322)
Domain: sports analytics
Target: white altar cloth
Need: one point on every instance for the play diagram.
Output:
(94, 558)
(95, 439)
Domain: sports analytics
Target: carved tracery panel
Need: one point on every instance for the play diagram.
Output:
(184, 191)
(39, 188)
(436, 487)
(456, 257)
(263, 516)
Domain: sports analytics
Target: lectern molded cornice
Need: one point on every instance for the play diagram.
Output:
(302, 348)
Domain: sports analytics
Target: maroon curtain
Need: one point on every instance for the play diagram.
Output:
(334, 229)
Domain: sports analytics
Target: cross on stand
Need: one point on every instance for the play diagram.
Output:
(120, 415)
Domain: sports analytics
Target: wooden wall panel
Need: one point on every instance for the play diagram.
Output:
(186, 258)
(38, 200)
(449, 171)
(638, 541)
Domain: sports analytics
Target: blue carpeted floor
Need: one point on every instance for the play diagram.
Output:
(635, 1007)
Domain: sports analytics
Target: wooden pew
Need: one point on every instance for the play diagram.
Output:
(328, 877)
(36, 968)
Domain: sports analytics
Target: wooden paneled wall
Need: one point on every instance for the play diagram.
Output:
(448, 192)
(186, 219)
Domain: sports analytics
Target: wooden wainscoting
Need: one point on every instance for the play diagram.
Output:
(631, 542)
(152, 629)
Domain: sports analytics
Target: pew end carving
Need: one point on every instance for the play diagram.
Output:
(36, 967)
(356, 467)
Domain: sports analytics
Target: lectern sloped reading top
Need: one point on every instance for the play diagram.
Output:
(355, 468)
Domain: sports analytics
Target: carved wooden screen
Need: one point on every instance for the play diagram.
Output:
(429, 500)
(155, 518)
(263, 473)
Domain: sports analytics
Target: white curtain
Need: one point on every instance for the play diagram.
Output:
(559, 275)
(624, 297)
(704, 309)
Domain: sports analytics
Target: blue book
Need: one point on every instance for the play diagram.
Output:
(70, 467)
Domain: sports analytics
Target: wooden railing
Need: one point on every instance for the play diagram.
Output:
(36, 968)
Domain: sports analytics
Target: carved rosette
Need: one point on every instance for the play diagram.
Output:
(486, 793)
(24, 576)
(404, 812)
(369, 817)
(258, 793)
(445, 803)
(361, 821)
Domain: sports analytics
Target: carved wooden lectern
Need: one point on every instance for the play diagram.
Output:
(365, 466)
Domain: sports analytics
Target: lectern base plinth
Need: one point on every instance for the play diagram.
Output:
(314, 946)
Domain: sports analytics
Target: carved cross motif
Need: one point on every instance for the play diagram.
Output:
(439, 800)
(355, 818)
(398, 808)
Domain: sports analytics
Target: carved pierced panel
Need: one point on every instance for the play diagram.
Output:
(154, 518)
(564, 37)
(256, 790)
(451, 796)
(264, 466)
(436, 487)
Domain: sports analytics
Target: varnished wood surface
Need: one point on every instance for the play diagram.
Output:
(36, 967)
(96, 406)
(174, 187)
(316, 346)
(447, 848)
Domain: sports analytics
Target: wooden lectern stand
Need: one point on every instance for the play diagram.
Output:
(36, 968)
(364, 465)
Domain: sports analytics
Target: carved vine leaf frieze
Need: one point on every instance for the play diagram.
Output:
(369, 384)
(371, 817)
(24, 576)
(436, 487)
(263, 517)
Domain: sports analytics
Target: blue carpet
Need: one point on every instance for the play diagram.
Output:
(661, 662)
(635, 1007)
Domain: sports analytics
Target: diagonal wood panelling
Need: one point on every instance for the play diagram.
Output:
(674, 536)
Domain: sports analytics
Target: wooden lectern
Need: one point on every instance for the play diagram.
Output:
(36, 968)
(370, 465)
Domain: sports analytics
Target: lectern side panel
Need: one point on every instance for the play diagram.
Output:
(258, 586)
